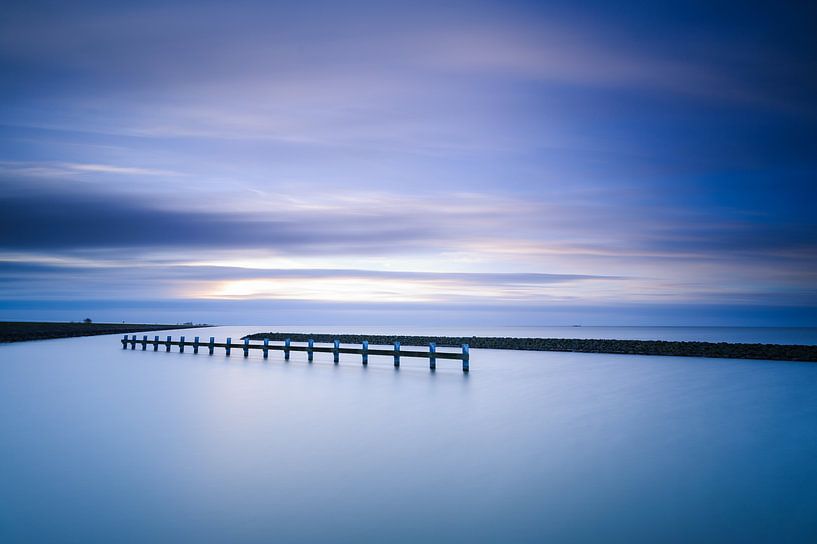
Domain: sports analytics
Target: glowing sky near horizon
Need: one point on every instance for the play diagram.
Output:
(630, 161)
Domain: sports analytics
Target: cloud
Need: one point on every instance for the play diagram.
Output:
(198, 149)
(112, 169)
(62, 169)
(177, 45)
(22, 280)
(442, 228)
(21, 267)
(434, 86)
(58, 281)
(69, 221)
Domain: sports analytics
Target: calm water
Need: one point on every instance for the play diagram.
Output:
(98, 444)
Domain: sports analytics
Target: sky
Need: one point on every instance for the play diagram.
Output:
(478, 163)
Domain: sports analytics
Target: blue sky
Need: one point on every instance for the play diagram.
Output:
(522, 163)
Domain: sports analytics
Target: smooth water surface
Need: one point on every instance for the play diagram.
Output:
(100, 444)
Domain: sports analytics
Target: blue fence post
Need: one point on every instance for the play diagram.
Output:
(365, 352)
(432, 360)
(335, 351)
(156, 343)
(181, 344)
(266, 348)
(246, 347)
(167, 344)
(465, 357)
(286, 349)
(125, 342)
(212, 346)
(397, 354)
(227, 349)
(145, 342)
(133, 342)
(310, 344)
(196, 344)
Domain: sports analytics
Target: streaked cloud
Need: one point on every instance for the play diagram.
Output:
(498, 153)
(63, 170)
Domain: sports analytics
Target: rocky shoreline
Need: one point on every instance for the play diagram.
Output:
(721, 350)
(21, 331)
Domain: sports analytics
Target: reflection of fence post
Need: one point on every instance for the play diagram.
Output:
(336, 351)
(465, 357)
(365, 352)
(212, 345)
(227, 349)
(309, 345)
(397, 355)
(286, 349)
(432, 360)
(266, 348)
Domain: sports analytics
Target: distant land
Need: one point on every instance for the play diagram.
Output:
(720, 350)
(20, 331)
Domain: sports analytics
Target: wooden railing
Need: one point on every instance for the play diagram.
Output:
(310, 348)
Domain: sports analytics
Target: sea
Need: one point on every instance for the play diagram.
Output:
(101, 444)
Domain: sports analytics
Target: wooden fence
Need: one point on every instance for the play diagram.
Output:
(310, 348)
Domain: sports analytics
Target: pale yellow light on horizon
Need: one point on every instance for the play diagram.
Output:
(352, 289)
(374, 289)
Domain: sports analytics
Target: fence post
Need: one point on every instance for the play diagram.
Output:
(227, 349)
(196, 344)
(246, 347)
(465, 357)
(156, 343)
(133, 342)
(212, 346)
(286, 349)
(310, 344)
(432, 360)
(266, 348)
(181, 344)
(167, 344)
(397, 355)
(335, 351)
(365, 352)
(125, 342)
(144, 342)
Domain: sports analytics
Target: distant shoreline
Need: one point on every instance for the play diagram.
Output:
(719, 350)
(22, 331)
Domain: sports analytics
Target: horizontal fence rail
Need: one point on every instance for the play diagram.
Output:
(396, 352)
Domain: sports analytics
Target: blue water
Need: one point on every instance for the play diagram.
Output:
(99, 444)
